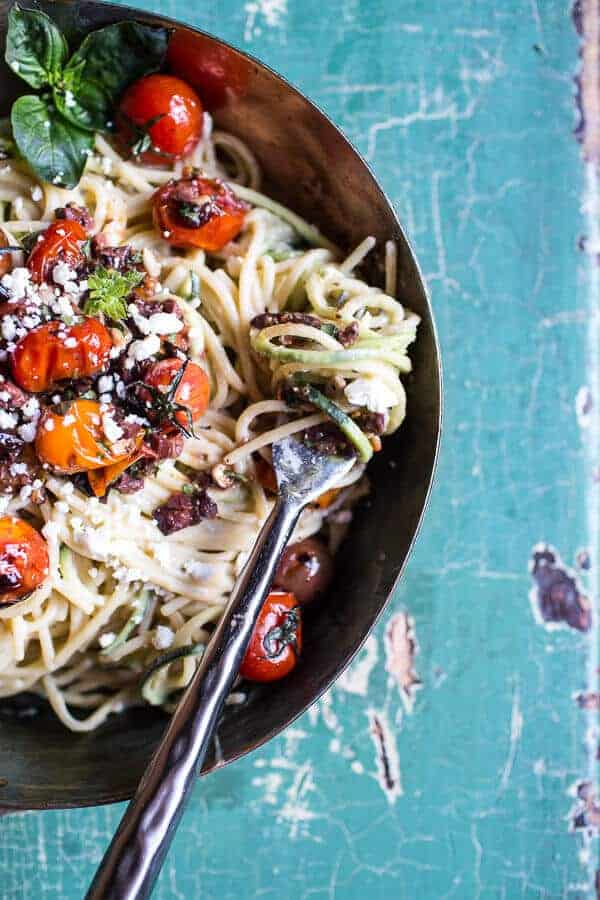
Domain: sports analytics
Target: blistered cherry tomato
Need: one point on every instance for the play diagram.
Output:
(184, 400)
(198, 212)
(276, 642)
(75, 440)
(60, 242)
(217, 74)
(160, 118)
(24, 559)
(53, 352)
(306, 569)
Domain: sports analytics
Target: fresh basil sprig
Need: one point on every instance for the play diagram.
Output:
(54, 131)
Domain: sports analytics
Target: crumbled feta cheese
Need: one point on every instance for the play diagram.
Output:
(27, 432)
(141, 350)
(106, 639)
(370, 393)
(18, 468)
(37, 193)
(69, 419)
(9, 328)
(62, 273)
(166, 234)
(93, 572)
(105, 383)
(70, 343)
(16, 282)
(7, 420)
(69, 98)
(4, 396)
(49, 425)
(112, 431)
(163, 637)
(164, 323)
(30, 408)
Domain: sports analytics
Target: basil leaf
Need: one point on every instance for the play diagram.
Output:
(81, 102)
(35, 48)
(107, 61)
(55, 149)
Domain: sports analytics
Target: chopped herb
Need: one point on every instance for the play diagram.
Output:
(108, 292)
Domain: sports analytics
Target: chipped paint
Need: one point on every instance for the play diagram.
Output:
(584, 406)
(401, 648)
(557, 600)
(386, 755)
(263, 14)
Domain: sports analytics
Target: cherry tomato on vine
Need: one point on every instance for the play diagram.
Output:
(198, 212)
(174, 398)
(54, 352)
(160, 119)
(24, 561)
(276, 642)
(60, 242)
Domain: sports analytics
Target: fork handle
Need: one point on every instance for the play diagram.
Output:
(137, 851)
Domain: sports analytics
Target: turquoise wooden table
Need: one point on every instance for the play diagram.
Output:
(481, 681)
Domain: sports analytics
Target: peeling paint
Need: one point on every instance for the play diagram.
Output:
(401, 647)
(557, 600)
(386, 755)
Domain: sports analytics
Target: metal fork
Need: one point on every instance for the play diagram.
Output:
(137, 851)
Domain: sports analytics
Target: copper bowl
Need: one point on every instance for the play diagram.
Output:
(310, 166)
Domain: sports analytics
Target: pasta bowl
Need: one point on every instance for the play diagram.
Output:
(309, 166)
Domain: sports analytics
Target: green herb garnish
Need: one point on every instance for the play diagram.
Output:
(54, 131)
(108, 292)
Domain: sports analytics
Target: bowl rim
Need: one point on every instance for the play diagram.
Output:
(157, 18)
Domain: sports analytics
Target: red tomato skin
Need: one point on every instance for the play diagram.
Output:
(257, 665)
(61, 241)
(193, 391)
(41, 358)
(218, 75)
(179, 128)
(24, 560)
(223, 225)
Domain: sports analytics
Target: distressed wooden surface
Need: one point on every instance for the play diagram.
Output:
(466, 111)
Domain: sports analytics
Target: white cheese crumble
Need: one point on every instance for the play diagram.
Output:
(7, 420)
(16, 282)
(112, 431)
(164, 323)
(106, 639)
(62, 273)
(37, 193)
(370, 393)
(18, 468)
(30, 408)
(27, 432)
(141, 350)
(163, 637)
(105, 384)
(9, 328)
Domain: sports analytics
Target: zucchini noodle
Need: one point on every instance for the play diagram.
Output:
(125, 613)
